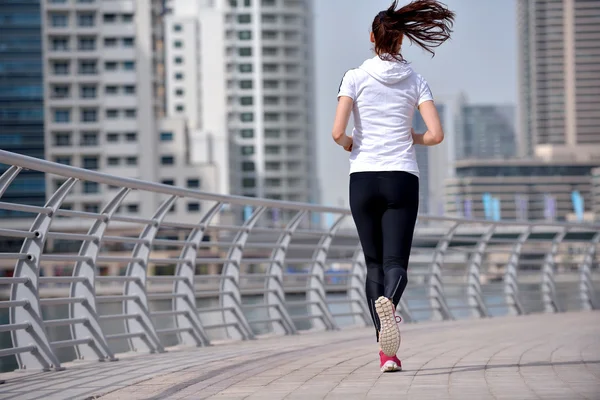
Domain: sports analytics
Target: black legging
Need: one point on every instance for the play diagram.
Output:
(384, 207)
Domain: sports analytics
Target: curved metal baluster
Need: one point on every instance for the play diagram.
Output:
(87, 289)
(138, 268)
(197, 335)
(437, 299)
(316, 294)
(231, 298)
(275, 294)
(7, 177)
(356, 288)
(586, 284)
(549, 296)
(44, 356)
(474, 293)
(511, 285)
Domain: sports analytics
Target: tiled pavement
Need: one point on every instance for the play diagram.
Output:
(534, 357)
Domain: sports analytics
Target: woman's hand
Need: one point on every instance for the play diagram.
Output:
(348, 143)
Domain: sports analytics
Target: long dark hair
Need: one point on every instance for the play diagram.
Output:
(427, 23)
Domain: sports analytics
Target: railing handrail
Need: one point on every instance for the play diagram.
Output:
(68, 171)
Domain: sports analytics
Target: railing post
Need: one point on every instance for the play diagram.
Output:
(437, 299)
(275, 294)
(43, 357)
(87, 289)
(138, 268)
(231, 298)
(474, 293)
(186, 306)
(549, 296)
(356, 289)
(316, 293)
(511, 285)
(7, 177)
(586, 284)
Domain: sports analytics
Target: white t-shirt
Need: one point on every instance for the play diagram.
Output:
(385, 94)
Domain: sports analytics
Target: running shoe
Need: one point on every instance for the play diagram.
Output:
(389, 335)
(389, 364)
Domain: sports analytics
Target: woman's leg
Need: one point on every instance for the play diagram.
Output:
(401, 190)
(365, 204)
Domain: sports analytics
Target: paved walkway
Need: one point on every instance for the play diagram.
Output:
(533, 357)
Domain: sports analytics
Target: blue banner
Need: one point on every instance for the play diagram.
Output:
(487, 205)
(247, 213)
(578, 205)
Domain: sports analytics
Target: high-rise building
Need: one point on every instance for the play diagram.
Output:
(485, 132)
(241, 71)
(559, 79)
(21, 97)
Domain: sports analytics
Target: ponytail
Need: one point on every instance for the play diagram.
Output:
(427, 23)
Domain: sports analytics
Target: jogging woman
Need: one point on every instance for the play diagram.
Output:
(383, 94)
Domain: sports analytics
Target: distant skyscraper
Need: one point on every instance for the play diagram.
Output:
(559, 79)
(22, 97)
(485, 132)
(241, 72)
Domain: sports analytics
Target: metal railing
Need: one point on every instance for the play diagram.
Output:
(91, 284)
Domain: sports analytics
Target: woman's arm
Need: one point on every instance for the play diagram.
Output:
(435, 133)
(342, 115)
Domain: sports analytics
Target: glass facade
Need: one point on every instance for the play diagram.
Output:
(21, 97)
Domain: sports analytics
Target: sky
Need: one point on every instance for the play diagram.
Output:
(479, 61)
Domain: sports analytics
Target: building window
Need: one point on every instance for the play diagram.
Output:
(244, 18)
(246, 84)
(247, 133)
(178, 60)
(247, 150)
(129, 89)
(130, 113)
(87, 44)
(131, 161)
(60, 44)
(62, 139)
(249, 182)
(179, 92)
(59, 20)
(167, 160)
(110, 18)
(61, 68)
(113, 161)
(65, 160)
(112, 113)
(89, 139)
(131, 137)
(246, 101)
(111, 90)
(245, 35)
(60, 91)
(110, 66)
(271, 117)
(268, 3)
(248, 3)
(90, 187)
(248, 166)
(110, 42)
(272, 133)
(166, 136)
(87, 91)
(273, 166)
(90, 162)
(178, 76)
(178, 44)
(193, 183)
(129, 66)
(180, 108)
(193, 207)
(87, 67)
(245, 51)
(85, 19)
(233, 3)
(133, 208)
(128, 42)
(245, 68)
(127, 17)
(62, 116)
(89, 115)
(247, 117)
(112, 137)
(91, 208)
(177, 28)
(170, 182)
